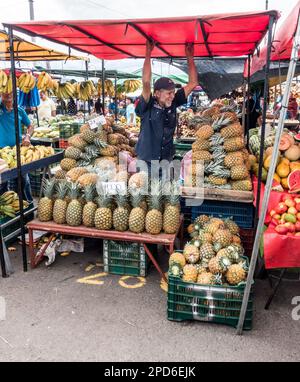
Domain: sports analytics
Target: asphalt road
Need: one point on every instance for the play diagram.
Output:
(51, 316)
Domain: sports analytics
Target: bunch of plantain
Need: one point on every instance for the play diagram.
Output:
(32, 153)
(45, 82)
(5, 83)
(10, 204)
(131, 86)
(85, 90)
(26, 82)
(64, 91)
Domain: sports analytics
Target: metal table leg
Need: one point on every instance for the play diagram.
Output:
(155, 262)
(270, 299)
(2, 260)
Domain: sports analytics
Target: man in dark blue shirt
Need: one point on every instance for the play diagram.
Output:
(158, 111)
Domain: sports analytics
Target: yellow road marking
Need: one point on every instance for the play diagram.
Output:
(163, 284)
(140, 284)
(91, 280)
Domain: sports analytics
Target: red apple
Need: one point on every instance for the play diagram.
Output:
(275, 221)
(290, 234)
(298, 206)
(298, 216)
(277, 217)
(290, 202)
(281, 229)
(297, 226)
(297, 234)
(292, 210)
(290, 226)
(272, 212)
(286, 197)
(297, 200)
(281, 208)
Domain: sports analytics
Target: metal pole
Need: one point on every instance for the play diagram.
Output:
(17, 132)
(263, 127)
(103, 85)
(2, 259)
(291, 72)
(116, 103)
(248, 100)
(31, 15)
(87, 77)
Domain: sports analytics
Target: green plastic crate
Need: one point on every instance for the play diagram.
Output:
(181, 149)
(218, 304)
(125, 258)
(68, 129)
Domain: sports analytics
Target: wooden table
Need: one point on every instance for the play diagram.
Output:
(217, 194)
(167, 240)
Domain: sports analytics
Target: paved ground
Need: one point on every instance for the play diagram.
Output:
(50, 316)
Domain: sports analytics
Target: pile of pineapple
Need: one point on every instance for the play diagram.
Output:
(213, 256)
(67, 203)
(89, 152)
(220, 145)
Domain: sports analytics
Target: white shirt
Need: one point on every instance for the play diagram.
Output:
(45, 109)
(130, 109)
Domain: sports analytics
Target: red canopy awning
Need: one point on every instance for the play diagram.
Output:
(282, 43)
(229, 35)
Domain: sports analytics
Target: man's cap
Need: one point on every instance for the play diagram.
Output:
(164, 83)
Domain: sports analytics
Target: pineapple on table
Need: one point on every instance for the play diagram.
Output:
(88, 135)
(239, 172)
(77, 141)
(154, 217)
(60, 204)
(67, 164)
(89, 210)
(137, 215)
(234, 144)
(121, 213)
(241, 185)
(72, 153)
(171, 216)
(236, 273)
(103, 214)
(74, 209)
(45, 205)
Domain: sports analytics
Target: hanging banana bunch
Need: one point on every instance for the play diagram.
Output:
(131, 86)
(120, 91)
(64, 91)
(26, 82)
(85, 90)
(44, 82)
(109, 88)
(6, 85)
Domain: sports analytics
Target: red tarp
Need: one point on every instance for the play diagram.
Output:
(229, 35)
(282, 43)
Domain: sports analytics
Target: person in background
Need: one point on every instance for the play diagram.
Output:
(8, 137)
(99, 106)
(122, 109)
(252, 113)
(292, 110)
(47, 108)
(112, 106)
(130, 112)
(72, 108)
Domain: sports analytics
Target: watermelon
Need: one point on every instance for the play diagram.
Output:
(294, 181)
(297, 137)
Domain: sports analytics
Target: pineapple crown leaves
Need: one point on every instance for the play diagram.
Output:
(89, 192)
(136, 199)
(221, 172)
(220, 122)
(121, 200)
(216, 140)
(99, 143)
(48, 186)
(74, 191)
(62, 188)
(155, 196)
(104, 201)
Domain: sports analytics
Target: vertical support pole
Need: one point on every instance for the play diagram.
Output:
(116, 103)
(17, 132)
(263, 128)
(248, 100)
(2, 259)
(291, 72)
(103, 85)
(87, 77)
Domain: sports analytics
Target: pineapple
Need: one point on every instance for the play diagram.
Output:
(154, 218)
(74, 209)
(236, 273)
(177, 258)
(236, 239)
(67, 164)
(216, 181)
(210, 112)
(234, 144)
(234, 252)
(201, 220)
(222, 238)
(213, 226)
(191, 253)
(171, 216)
(88, 135)
(175, 269)
(60, 204)
(75, 173)
(60, 174)
(138, 181)
(207, 278)
(45, 206)
(73, 153)
(232, 226)
(234, 159)
(190, 273)
(230, 115)
(109, 151)
(137, 215)
(102, 135)
(207, 251)
(114, 139)
(121, 214)
(191, 228)
(205, 237)
(204, 132)
(201, 155)
(87, 179)
(103, 215)
(199, 145)
(89, 210)
(77, 141)
(239, 172)
(219, 265)
(232, 131)
(99, 143)
(242, 185)
(224, 252)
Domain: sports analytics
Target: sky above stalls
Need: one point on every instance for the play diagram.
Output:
(18, 10)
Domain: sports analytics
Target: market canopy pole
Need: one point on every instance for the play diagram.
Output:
(259, 231)
(17, 133)
(263, 127)
(87, 77)
(248, 101)
(116, 104)
(103, 85)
